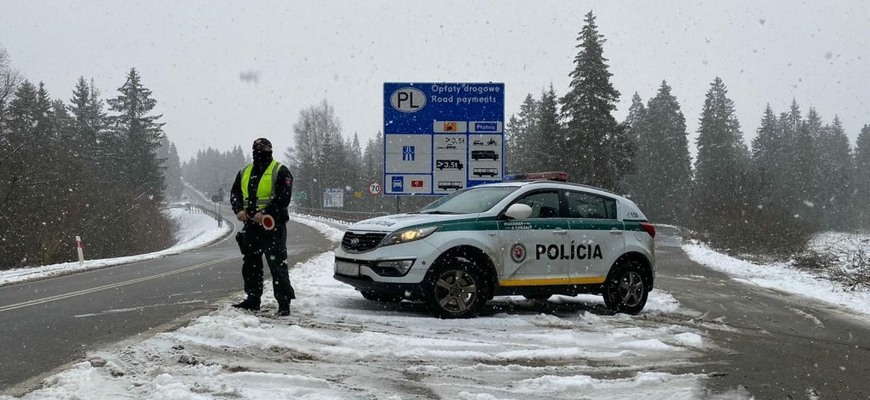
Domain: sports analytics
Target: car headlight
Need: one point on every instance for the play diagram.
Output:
(408, 235)
(393, 267)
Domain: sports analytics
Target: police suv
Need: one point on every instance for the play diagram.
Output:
(529, 238)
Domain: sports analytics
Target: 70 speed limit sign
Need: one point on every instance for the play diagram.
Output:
(375, 188)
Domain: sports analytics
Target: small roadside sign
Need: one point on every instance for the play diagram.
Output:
(333, 198)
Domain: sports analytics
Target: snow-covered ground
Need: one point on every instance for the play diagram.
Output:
(336, 345)
(785, 277)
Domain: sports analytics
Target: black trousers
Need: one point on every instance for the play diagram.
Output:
(256, 243)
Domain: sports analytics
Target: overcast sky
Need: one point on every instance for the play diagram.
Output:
(193, 55)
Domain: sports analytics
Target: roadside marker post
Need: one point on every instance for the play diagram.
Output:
(80, 249)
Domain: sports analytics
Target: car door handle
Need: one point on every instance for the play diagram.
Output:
(615, 232)
(560, 232)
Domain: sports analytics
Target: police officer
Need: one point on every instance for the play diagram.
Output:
(262, 191)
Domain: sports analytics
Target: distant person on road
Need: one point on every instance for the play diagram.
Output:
(259, 197)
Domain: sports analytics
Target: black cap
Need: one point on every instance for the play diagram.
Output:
(262, 144)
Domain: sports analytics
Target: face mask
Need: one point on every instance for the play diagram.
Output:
(262, 156)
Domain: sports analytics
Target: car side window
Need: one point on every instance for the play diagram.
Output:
(586, 205)
(543, 204)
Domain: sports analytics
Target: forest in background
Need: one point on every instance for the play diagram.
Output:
(105, 173)
(90, 167)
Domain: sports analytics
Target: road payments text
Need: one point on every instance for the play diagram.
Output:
(464, 93)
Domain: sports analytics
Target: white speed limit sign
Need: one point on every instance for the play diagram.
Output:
(375, 188)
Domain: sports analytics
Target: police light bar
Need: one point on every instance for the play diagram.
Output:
(539, 176)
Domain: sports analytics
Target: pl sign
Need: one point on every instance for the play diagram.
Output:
(442, 137)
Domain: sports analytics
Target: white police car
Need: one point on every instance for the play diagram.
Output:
(530, 238)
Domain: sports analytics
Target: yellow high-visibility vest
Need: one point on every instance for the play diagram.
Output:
(265, 188)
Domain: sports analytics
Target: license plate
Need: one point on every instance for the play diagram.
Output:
(346, 268)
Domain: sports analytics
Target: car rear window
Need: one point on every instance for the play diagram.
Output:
(586, 205)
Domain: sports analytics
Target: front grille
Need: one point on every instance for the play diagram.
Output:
(358, 242)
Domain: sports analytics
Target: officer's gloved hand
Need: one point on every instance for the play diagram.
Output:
(242, 216)
(258, 217)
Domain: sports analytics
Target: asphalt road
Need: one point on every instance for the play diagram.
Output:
(777, 345)
(48, 324)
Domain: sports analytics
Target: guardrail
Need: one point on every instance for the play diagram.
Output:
(200, 209)
(350, 216)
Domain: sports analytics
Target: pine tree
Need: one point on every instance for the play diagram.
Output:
(20, 170)
(128, 152)
(65, 175)
(833, 179)
(664, 173)
(794, 187)
(768, 158)
(861, 174)
(777, 213)
(720, 170)
(633, 183)
(805, 166)
(356, 154)
(523, 138)
(548, 150)
(373, 157)
(22, 110)
(597, 151)
(43, 127)
(635, 118)
(511, 147)
(90, 119)
(138, 133)
(172, 169)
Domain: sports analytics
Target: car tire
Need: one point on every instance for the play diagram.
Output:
(625, 290)
(456, 289)
(382, 297)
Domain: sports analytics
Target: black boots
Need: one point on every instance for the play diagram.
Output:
(250, 305)
(283, 310)
(254, 305)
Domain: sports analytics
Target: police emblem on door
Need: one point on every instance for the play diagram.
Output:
(518, 253)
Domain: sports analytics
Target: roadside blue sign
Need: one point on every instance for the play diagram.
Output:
(441, 137)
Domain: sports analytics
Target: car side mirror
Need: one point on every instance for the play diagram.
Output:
(518, 211)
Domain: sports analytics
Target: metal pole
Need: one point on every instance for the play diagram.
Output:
(397, 204)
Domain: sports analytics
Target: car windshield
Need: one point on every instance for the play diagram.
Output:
(468, 201)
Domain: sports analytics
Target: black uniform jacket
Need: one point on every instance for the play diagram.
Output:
(283, 191)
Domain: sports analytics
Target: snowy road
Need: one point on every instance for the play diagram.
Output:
(51, 322)
(703, 335)
(777, 343)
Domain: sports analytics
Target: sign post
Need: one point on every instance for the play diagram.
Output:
(442, 137)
